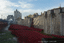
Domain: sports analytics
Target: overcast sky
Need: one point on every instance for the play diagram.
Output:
(26, 7)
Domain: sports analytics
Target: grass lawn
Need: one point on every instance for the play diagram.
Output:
(4, 38)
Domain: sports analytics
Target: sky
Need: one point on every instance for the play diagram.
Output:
(26, 7)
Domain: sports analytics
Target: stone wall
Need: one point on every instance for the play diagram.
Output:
(38, 22)
(25, 22)
(54, 24)
(57, 25)
(63, 24)
(19, 21)
(47, 24)
(50, 22)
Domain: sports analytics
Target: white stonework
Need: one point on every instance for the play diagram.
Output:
(17, 14)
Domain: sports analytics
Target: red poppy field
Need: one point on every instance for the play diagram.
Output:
(29, 34)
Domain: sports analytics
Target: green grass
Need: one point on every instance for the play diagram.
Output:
(1, 32)
(6, 36)
(8, 42)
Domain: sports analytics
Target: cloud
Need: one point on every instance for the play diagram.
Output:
(6, 7)
(28, 0)
(25, 5)
(30, 11)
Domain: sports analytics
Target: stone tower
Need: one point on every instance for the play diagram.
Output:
(17, 15)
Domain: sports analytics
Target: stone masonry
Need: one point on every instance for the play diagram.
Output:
(51, 21)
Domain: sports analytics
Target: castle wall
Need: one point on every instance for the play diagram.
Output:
(48, 23)
(38, 22)
(51, 25)
(19, 21)
(57, 22)
(45, 25)
(25, 22)
(62, 21)
(63, 24)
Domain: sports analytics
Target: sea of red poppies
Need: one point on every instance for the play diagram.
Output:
(28, 34)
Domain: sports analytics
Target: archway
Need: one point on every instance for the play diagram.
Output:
(10, 17)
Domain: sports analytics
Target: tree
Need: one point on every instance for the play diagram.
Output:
(30, 15)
